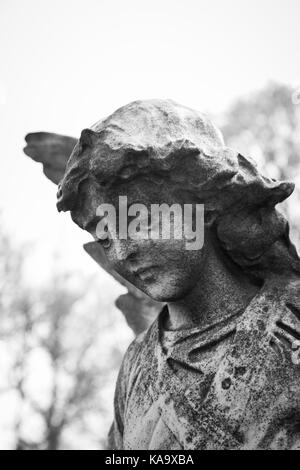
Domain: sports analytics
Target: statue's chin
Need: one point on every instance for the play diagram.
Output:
(160, 293)
(164, 285)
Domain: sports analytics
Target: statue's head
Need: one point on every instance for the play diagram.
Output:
(159, 152)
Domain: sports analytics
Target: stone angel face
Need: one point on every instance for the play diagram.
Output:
(53, 151)
(158, 151)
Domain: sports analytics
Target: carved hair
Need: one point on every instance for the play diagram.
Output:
(174, 143)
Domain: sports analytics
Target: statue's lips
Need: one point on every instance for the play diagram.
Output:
(145, 272)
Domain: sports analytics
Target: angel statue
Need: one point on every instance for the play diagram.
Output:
(219, 366)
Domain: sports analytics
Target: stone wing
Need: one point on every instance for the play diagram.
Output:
(52, 150)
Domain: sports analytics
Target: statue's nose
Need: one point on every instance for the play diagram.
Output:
(125, 250)
(59, 196)
(59, 192)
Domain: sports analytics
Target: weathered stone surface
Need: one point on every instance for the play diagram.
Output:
(235, 386)
(53, 151)
(220, 366)
(139, 310)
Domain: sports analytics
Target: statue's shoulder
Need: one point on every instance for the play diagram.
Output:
(292, 291)
(268, 336)
(141, 349)
(138, 358)
(283, 326)
(275, 380)
(288, 301)
(135, 348)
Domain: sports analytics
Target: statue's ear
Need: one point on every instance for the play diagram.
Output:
(52, 150)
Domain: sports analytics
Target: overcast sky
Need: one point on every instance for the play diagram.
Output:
(67, 63)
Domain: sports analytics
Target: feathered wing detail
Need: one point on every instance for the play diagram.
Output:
(52, 150)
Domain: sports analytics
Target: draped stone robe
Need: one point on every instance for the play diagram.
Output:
(231, 385)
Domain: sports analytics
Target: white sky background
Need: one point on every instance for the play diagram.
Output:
(67, 63)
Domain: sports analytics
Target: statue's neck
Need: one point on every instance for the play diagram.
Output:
(219, 293)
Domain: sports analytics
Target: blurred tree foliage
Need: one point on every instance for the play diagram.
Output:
(266, 126)
(55, 365)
